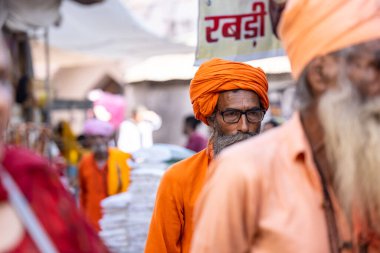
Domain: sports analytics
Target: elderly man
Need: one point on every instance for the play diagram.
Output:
(102, 172)
(314, 185)
(232, 99)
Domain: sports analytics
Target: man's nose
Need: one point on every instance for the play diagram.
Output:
(243, 124)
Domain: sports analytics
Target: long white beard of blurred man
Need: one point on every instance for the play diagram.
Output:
(222, 141)
(352, 138)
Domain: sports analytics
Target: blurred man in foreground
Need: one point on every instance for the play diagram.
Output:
(232, 99)
(314, 185)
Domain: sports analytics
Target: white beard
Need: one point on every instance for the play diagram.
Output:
(352, 139)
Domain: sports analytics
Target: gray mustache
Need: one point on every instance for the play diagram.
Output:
(235, 138)
(221, 142)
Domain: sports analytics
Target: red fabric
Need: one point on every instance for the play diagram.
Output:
(51, 203)
(364, 233)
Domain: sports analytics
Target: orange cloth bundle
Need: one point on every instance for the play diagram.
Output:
(333, 25)
(219, 75)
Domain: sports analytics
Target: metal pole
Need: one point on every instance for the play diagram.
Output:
(48, 91)
(47, 78)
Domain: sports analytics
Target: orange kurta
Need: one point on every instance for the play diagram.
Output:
(265, 195)
(171, 227)
(98, 183)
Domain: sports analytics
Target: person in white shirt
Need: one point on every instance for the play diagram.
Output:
(137, 132)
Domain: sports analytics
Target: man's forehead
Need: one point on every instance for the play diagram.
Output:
(237, 98)
(370, 47)
(98, 136)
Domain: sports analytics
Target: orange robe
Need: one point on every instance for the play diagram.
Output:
(265, 195)
(99, 183)
(171, 227)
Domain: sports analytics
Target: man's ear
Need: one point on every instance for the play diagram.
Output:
(322, 73)
(210, 121)
(315, 76)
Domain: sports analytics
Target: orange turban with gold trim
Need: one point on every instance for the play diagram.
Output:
(311, 28)
(216, 76)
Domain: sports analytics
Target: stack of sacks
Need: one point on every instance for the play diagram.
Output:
(145, 181)
(150, 167)
(114, 222)
(126, 216)
(162, 153)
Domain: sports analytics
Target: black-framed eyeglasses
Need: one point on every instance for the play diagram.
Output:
(232, 116)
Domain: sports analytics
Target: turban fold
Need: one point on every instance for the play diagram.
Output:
(216, 76)
(311, 28)
(95, 127)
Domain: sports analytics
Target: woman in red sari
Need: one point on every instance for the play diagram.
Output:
(36, 213)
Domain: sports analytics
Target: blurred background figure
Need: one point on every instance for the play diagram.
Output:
(70, 151)
(103, 171)
(137, 132)
(272, 123)
(84, 143)
(36, 213)
(195, 141)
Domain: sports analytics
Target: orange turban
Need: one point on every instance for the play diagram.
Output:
(311, 28)
(219, 75)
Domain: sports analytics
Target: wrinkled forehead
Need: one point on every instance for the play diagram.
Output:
(96, 140)
(368, 50)
(98, 137)
(238, 98)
